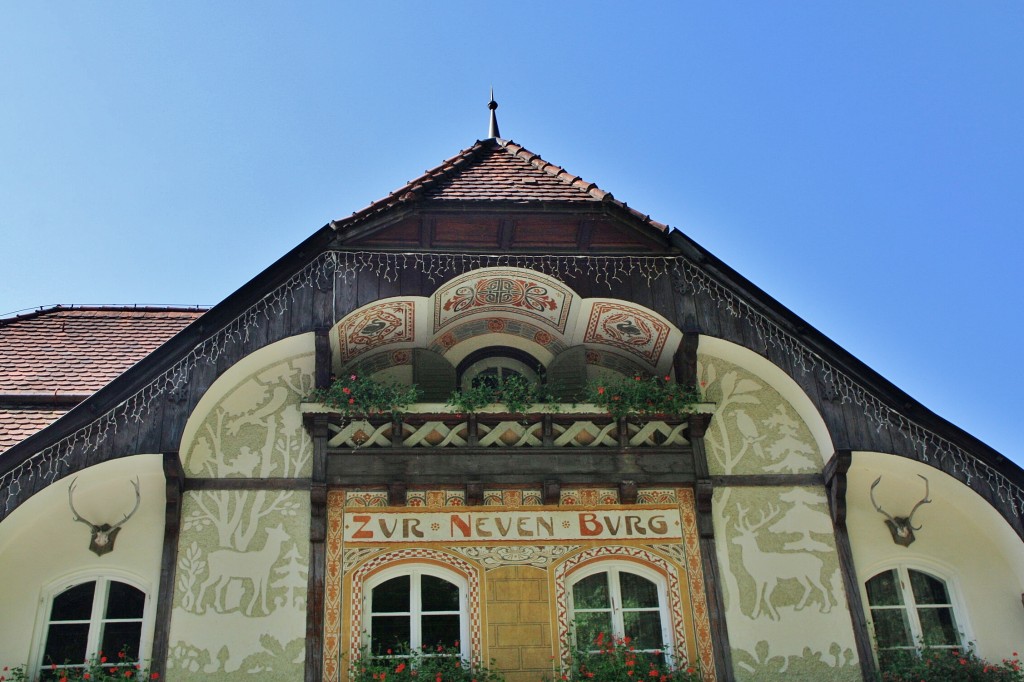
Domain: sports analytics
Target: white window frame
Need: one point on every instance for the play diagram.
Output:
(416, 572)
(96, 618)
(910, 604)
(614, 593)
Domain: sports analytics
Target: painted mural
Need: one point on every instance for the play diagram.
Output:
(511, 291)
(255, 430)
(376, 325)
(627, 328)
(776, 547)
(754, 430)
(243, 555)
(240, 589)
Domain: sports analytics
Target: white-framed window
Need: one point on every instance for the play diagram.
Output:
(88, 617)
(910, 607)
(619, 600)
(415, 606)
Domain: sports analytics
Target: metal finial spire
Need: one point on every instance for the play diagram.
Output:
(492, 131)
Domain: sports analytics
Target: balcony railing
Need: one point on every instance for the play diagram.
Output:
(428, 425)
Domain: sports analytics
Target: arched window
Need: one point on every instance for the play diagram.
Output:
(414, 607)
(617, 600)
(494, 364)
(910, 608)
(84, 619)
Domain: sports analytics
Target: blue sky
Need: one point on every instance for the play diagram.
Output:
(861, 162)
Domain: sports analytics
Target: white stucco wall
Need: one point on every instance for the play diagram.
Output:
(962, 540)
(41, 546)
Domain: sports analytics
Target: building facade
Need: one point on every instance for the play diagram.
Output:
(802, 516)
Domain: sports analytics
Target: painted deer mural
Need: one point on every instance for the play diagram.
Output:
(226, 565)
(769, 568)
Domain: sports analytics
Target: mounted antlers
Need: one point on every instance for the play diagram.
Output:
(103, 536)
(900, 526)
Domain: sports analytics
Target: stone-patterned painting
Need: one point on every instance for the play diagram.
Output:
(240, 590)
(780, 573)
(627, 328)
(754, 430)
(376, 325)
(255, 430)
(519, 292)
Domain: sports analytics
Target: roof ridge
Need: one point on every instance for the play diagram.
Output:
(453, 166)
(576, 181)
(18, 315)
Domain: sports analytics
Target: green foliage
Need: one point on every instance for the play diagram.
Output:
(639, 396)
(424, 665)
(931, 664)
(356, 396)
(516, 393)
(616, 660)
(96, 669)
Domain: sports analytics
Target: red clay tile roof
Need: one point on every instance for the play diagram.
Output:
(79, 350)
(18, 423)
(495, 170)
(53, 358)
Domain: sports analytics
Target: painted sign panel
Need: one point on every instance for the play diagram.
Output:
(532, 526)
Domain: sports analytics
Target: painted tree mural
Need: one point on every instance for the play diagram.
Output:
(239, 605)
(775, 545)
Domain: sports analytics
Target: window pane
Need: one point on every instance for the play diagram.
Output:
(440, 630)
(438, 595)
(637, 592)
(124, 601)
(892, 628)
(928, 590)
(589, 626)
(884, 589)
(119, 637)
(388, 632)
(644, 629)
(938, 626)
(391, 596)
(65, 643)
(591, 592)
(74, 603)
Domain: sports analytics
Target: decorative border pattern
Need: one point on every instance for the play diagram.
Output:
(656, 561)
(436, 498)
(540, 556)
(656, 496)
(695, 574)
(513, 498)
(336, 501)
(572, 497)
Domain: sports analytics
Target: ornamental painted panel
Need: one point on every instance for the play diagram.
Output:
(376, 325)
(627, 328)
(255, 430)
(239, 609)
(510, 291)
(754, 429)
(780, 574)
